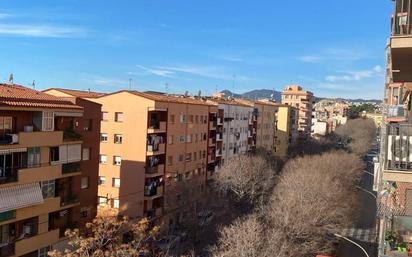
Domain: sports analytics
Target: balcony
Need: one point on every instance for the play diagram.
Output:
(219, 137)
(70, 200)
(68, 168)
(71, 135)
(155, 149)
(219, 121)
(38, 241)
(398, 153)
(153, 213)
(212, 125)
(8, 175)
(157, 127)
(212, 142)
(8, 215)
(249, 133)
(7, 250)
(32, 139)
(155, 171)
(153, 192)
(218, 153)
(211, 159)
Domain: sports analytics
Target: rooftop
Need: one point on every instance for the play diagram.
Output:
(79, 93)
(13, 95)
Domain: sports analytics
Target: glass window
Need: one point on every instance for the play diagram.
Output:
(170, 141)
(118, 116)
(116, 203)
(102, 180)
(182, 118)
(189, 138)
(48, 121)
(42, 252)
(118, 138)
(54, 154)
(117, 160)
(180, 157)
(103, 137)
(84, 183)
(116, 182)
(103, 159)
(105, 116)
(86, 154)
(48, 188)
(182, 138)
(102, 200)
(33, 154)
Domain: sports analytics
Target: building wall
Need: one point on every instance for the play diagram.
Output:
(236, 121)
(266, 126)
(303, 100)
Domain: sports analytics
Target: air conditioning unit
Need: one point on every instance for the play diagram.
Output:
(27, 230)
(28, 128)
(14, 138)
(400, 148)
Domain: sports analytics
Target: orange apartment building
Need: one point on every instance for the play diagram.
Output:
(150, 142)
(295, 96)
(46, 171)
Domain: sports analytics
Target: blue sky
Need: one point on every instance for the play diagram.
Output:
(334, 48)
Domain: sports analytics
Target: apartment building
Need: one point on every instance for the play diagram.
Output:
(286, 129)
(236, 133)
(90, 132)
(150, 142)
(42, 185)
(394, 171)
(295, 96)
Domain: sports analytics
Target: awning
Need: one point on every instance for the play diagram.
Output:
(13, 150)
(16, 197)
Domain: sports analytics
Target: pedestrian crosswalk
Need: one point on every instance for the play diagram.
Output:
(360, 234)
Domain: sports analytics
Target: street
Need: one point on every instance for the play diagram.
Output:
(364, 232)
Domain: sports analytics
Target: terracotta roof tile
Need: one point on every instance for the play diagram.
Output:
(172, 98)
(19, 96)
(79, 93)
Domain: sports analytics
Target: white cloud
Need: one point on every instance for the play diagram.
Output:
(45, 31)
(156, 71)
(231, 58)
(355, 75)
(215, 72)
(310, 58)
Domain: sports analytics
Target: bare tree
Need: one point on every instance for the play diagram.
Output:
(357, 135)
(315, 195)
(105, 237)
(248, 178)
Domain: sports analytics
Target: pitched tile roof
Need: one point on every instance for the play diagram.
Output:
(13, 95)
(79, 93)
(230, 102)
(172, 98)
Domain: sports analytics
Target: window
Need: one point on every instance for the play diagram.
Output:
(84, 212)
(88, 125)
(48, 188)
(118, 138)
(180, 157)
(103, 137)
(170, 160)
(117, 160)
(179, 178)
(189, 138)
(102, 180)
(105, 116)
(182, 138)
(170, 141)
(191, 118)
(197, 119)
(33, 154)
(182, 118)
(187, 175)
(84, 183)
(86, 154)
(118, 117)
(103, 159)
(188, 157)
(116, 203)
(204, 137)
(54, 154)
(102, 200)
(42, 252)
(48, 121)
(116, 182)
(172, 118)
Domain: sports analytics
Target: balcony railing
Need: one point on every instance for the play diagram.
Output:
(7, 250)
(398, 148)
(69, 200)
(150, 190)
(71, 135)
(73, 167)
(396, 111)
(402, 21)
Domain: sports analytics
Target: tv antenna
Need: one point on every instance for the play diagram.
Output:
(130, 83)
(33, 84)
(11, 78)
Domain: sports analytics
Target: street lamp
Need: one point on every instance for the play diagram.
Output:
(353, 242)
(366, 191)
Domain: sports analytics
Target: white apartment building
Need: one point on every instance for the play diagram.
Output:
(235, 132)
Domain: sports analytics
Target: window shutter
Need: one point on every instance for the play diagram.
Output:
(74, 153)
(63, 154)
